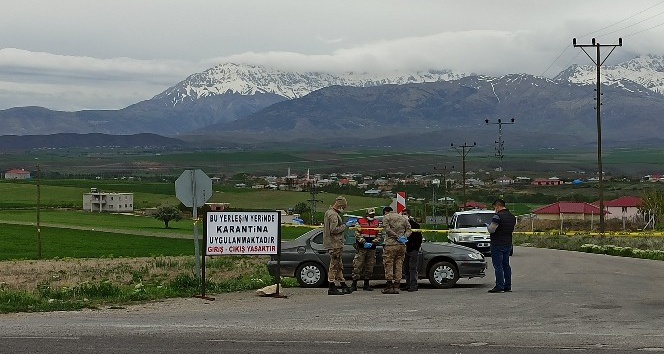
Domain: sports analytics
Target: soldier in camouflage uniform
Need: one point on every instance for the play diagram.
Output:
(367, 237)
(397, 229)
(333, 241)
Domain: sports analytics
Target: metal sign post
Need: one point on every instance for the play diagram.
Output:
(193, 188)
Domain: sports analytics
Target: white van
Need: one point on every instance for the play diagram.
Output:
(468, 228)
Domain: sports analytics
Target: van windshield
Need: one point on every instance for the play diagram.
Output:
(473, 220)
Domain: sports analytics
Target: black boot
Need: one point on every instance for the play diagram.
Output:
(389, 288)
(333, 290)
(366, 286)
(345, 289)
(353, 287)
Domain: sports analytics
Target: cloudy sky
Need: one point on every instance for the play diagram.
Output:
(81, 54)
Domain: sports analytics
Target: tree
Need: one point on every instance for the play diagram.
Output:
(167, 213)
(301, 208)
(653, 203)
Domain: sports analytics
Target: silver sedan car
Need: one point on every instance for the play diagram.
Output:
(307, 260)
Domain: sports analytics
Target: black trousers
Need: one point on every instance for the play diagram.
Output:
(410, 265)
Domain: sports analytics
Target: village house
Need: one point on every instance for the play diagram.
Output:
(626, 208)
(17, 174)
(474, 205)
(654, 178)
(552, 181)
(504, 180)
(108, 202)
(568, 211)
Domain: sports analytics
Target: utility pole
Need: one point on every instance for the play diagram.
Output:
(463, 152)
(434, 183)
(500, 144)
(313, 202)
(39, 240)
(598, 61)
(447, 222)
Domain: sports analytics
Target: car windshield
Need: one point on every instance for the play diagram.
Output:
(474, 220)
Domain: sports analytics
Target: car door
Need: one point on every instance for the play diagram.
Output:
(316, 244)
(349, 255)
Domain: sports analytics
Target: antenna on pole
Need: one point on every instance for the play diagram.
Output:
(500, 144)
(313, 201)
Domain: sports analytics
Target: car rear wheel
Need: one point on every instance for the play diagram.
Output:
(310, 275)
(443, 275)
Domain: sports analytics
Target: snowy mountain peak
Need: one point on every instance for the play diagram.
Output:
(646, 70)
(247, 79)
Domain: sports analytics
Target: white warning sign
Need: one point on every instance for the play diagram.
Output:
(242, 233)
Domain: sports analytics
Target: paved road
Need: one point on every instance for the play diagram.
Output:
(562, 302)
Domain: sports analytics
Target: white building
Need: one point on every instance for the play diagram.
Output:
(108, 202)
(17, 174)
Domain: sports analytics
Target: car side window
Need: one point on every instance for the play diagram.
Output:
(318, 239)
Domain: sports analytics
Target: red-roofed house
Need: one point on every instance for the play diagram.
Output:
(655, 178)
(17, 174)
(474, 205)
(622, 208)
(568, 210)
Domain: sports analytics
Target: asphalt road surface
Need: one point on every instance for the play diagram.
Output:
(561, 302)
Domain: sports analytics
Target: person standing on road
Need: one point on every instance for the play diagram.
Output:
(333, 240)
(501, 229)
(367, 237)
(412, 253)
(397, 230)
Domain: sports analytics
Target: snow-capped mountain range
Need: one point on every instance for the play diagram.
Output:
(645, 70)
(242, 102)
(248, 79)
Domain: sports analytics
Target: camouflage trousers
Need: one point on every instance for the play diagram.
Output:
(336, 272)
(363, 263)
(393, 256)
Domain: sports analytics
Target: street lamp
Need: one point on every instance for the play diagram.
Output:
(500, 144)
(463, 152)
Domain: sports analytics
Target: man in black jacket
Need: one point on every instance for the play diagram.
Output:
(501, 229)
(412, 253)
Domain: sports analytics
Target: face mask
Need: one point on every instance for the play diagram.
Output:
(370, 218)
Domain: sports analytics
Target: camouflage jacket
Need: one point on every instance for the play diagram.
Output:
(395, 225)
(333, 230)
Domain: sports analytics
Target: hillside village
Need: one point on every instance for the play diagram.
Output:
(436, 188)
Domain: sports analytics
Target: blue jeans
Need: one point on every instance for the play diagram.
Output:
(500, 257)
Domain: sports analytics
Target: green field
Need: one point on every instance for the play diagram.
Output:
(69, 193)
(20, 242)
(100, 221)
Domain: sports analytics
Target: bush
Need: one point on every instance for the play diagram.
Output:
(623, 251)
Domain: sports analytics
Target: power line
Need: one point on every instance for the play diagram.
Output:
(634, 24)
(621, 21)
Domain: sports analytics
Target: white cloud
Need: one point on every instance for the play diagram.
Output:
(96, 55)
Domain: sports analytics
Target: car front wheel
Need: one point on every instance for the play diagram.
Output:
(443, 275)
(310, 275)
